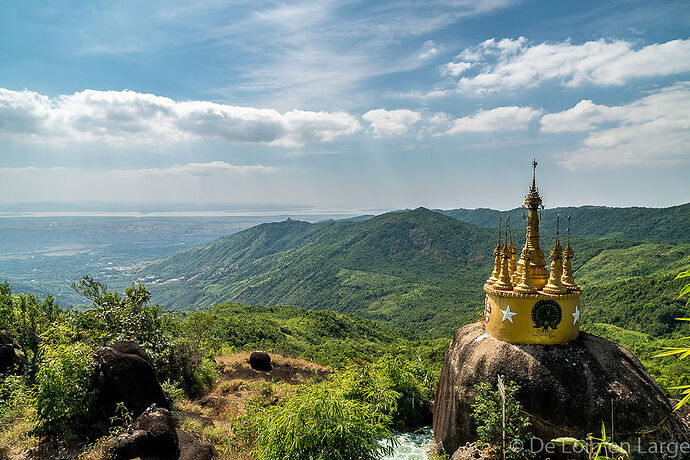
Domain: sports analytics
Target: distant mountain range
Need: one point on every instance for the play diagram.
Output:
(423, 271)
(652, 224)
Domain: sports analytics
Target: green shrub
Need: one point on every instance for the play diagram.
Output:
(64, 397)
(347, 416)
(487, 414)
(173, 393)
(191, 368)
(411, 385)
(320, 422)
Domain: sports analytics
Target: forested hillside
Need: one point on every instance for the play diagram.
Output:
(417, 270)
(654, 224)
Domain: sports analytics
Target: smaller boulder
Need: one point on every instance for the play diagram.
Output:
(192, 448)
(470, 452)
(153, 434)
(260, 361)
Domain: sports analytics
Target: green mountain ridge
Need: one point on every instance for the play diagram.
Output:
(419, 270)
(652, 224)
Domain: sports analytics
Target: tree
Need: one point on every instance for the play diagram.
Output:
(113, 317)
(26, 318)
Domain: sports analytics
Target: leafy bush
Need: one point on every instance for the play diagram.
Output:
(410, 383)
(192, 368)
(347, 416)
(487, 414)
(64, 395)
(26, 318)
(320, 422)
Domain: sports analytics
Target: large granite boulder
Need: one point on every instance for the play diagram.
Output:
(567, 389)
(126, 378)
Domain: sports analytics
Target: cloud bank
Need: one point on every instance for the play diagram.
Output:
(509, 118)
(650, 130)
(128, 116)
(510, 64)
(387, 123)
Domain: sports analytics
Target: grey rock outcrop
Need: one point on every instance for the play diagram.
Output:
(192, 448)
(567, 389)
(126, 378)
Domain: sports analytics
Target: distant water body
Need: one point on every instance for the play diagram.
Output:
(308, 214)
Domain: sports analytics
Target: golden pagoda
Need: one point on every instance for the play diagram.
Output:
(525, 303)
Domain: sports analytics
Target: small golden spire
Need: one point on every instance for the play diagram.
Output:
(525, 286)
(554, 285)
(568, 255)
(504, 283)
(511, 248)
(497, 255)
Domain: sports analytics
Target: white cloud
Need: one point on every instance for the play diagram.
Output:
(206, 169)
(386, 123)
(454, 69)
(128, 116)
(515, 63)
(509, 118)
(653, 129)
(429, 50)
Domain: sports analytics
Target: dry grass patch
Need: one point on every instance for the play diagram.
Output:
(294, 371)
(16, 440)
(240, 385)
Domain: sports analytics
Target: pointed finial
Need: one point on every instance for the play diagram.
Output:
(568, 228)
(510, 232)
(558, 227)
(500, 225)
(534, 172)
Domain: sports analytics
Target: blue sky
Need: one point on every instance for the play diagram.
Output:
(345, 105)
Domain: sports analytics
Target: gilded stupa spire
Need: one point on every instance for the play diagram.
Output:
(526, 286)
(511, 248)
(504, 283)
(568, 255)
(554, 284)
(497, 255)
(533, 204)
